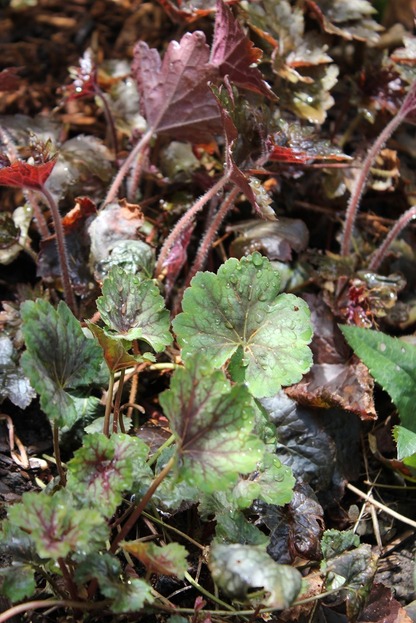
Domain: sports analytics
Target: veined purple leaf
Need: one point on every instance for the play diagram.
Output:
(175, 96)
(234, 54)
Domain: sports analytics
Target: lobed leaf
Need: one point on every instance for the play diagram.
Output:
(213, 424)
(240, 309)
(133, 308)
(104, 468)
(392, 362)
(56, 526)
(174, 92)
(58, 358)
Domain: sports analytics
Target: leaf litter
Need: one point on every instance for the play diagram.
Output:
(274, 106)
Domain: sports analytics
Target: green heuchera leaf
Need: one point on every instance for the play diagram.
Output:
(56, 526)
(392, 363)
(18, 582)
(213, 425)
(335, 542)
(104, 468)
(167, 560)
(406, 443)
(58, 357)
(240, 309)
(237, 568)
(272, 483)
(126, 596)
(133, 308)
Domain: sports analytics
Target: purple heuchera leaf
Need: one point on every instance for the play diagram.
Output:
(175, 96)
(234, 54)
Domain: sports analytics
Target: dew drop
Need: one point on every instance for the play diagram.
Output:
(403, 350)
(228, 325)
(382, 347)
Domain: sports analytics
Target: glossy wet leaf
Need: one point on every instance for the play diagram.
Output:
(56, 526)
(168, 559)
(174, 93)
(104, 468)
(213, 424)
(58, 358)
(240, 308)
(272, 483)
(132, 308)
(392, 362)
(352, 573)
(317, 446)
(238, 568)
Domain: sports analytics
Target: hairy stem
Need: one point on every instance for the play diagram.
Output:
(142, 505)
(127, 164)
(408, 106)
(70, 584)
(395, 231)
(185, 221)
(109, 119)
(210, 234)
(62, 250)
(57, 453)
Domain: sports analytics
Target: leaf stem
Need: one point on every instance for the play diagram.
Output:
(142, 505)
(159, 451)
(109, 119)
(185, 220)
(117, 401)
(408, 106)
(48, 603)
(395, 231)
(168, 527)
(207, 594)
(125, 167)
(72, 589)
(62, 250)
(108, 405)
(57, 453)
(210, 234)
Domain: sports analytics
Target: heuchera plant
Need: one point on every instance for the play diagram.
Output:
(241, 340)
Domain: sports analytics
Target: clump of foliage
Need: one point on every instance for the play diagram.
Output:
(175, 463)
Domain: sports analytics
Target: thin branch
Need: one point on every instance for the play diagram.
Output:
(395, 231)
(367, 497)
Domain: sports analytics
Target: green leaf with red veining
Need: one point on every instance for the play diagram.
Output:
(56, 526)
(213, 424)
(105, 467)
